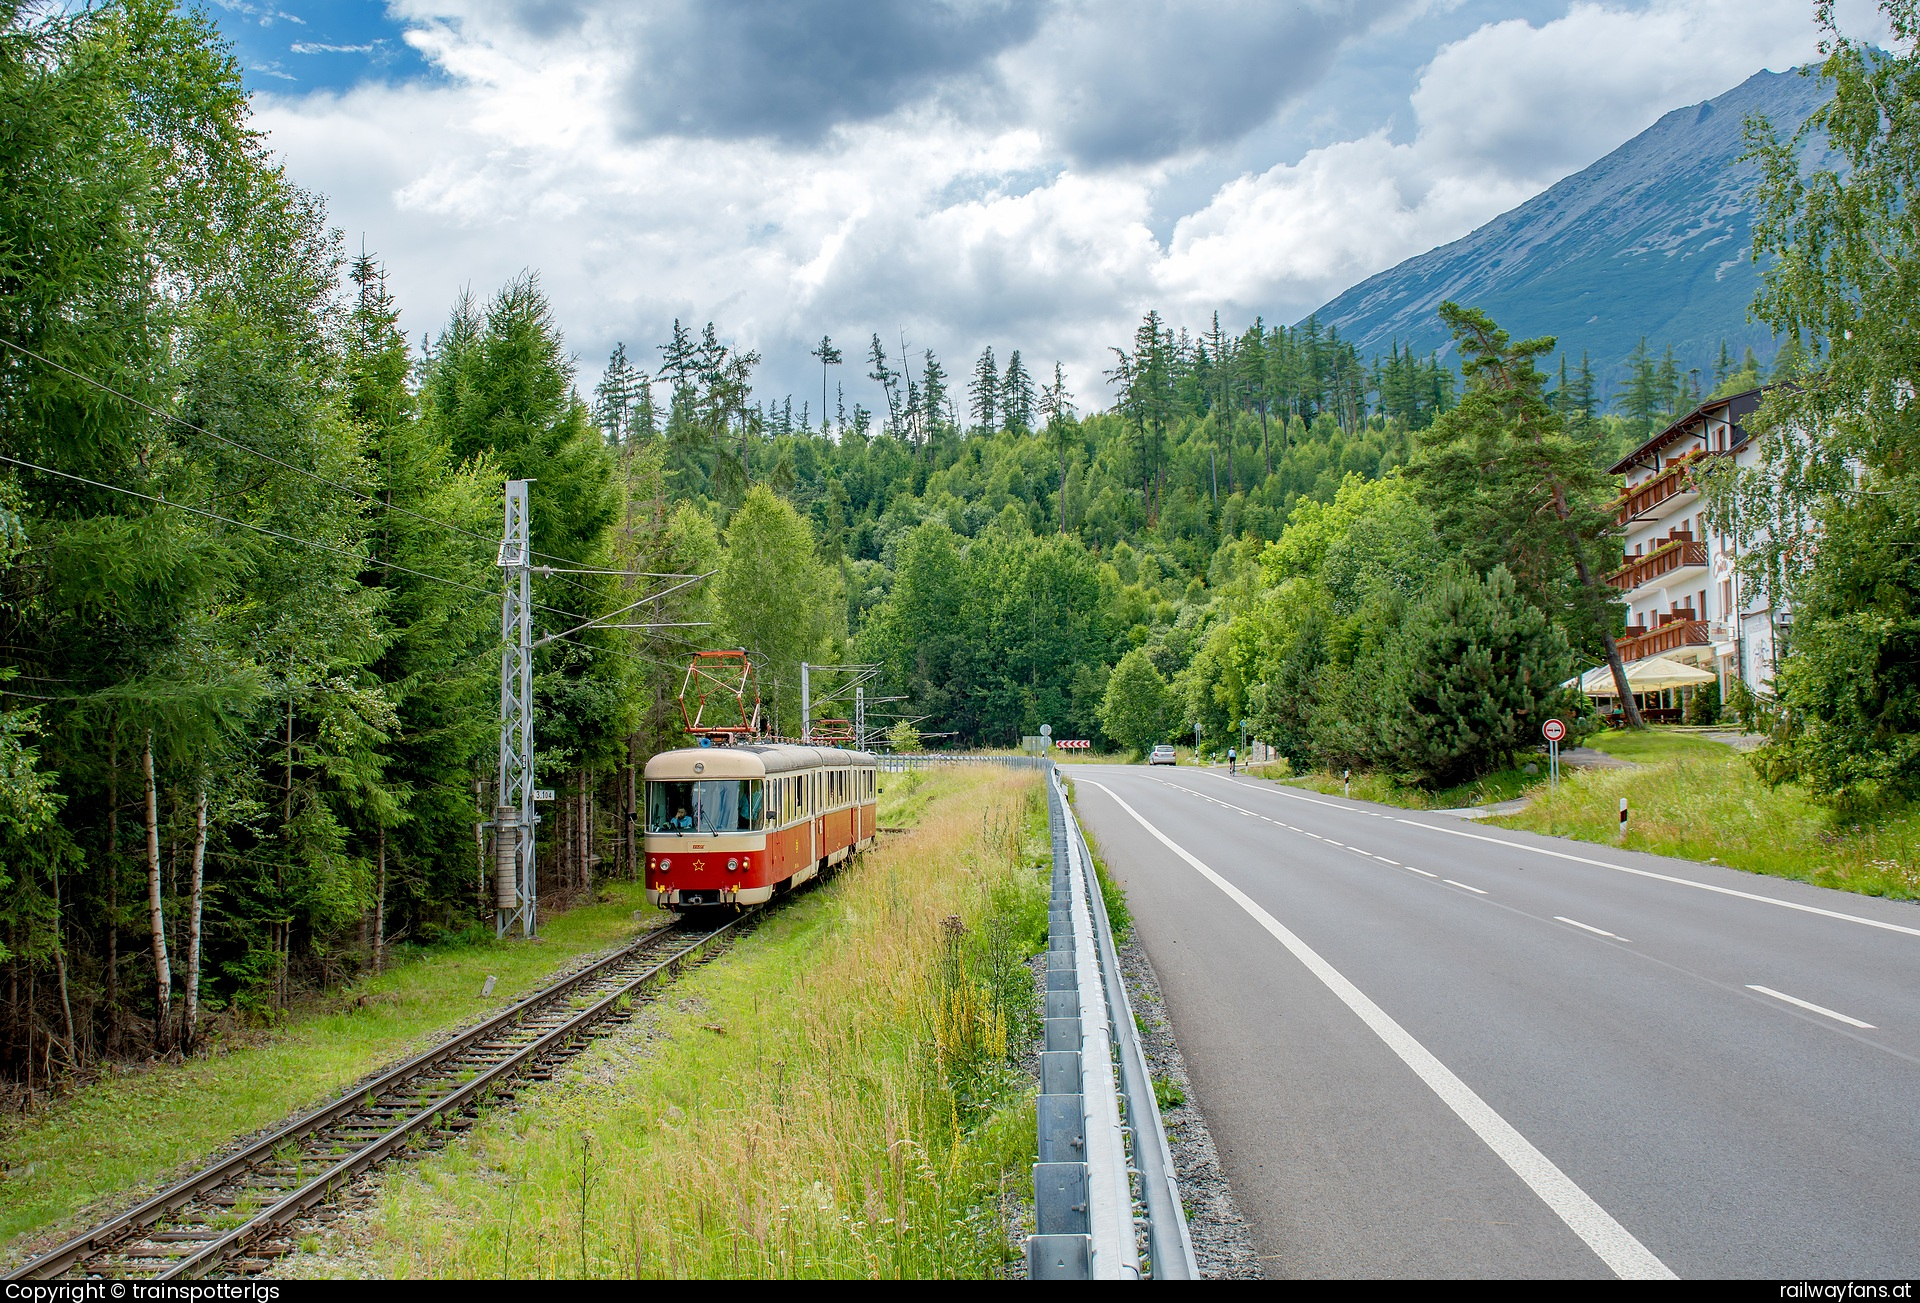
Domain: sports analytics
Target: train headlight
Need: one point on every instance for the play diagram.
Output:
(733, 866)
(665, 864)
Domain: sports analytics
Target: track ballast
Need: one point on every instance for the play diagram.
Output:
(235, 1214)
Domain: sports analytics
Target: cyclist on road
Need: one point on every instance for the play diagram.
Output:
(1232, 757)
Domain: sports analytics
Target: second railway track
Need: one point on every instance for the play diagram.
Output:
(235, 1214)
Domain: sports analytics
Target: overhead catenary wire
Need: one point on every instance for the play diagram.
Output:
(258, 529)
(558, 572)
(160, 500)
(315, 476)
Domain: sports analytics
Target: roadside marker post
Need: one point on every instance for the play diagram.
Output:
(1623, 818)
(1554, 730)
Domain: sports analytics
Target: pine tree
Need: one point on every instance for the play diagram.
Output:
(623, 401)
(889, 382)
(1672, 388)
(1510, 485)
(829, 357)
(1642, 400)
(1056, 404)
(1472, 673)
(984, 392)
(934, 404)
(1016, 396)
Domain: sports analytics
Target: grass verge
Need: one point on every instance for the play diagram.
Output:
(1652, 745)
(128, 1130)
(1698, 800)
(1502, 786)
(834, 1098)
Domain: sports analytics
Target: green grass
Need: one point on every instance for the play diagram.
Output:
(1651, 745)
(1699, 800)
(123, 1132)
(831, 1099)
(1689, 797)
(1502, 786)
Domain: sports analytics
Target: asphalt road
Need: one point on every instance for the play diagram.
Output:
(1431, 1048)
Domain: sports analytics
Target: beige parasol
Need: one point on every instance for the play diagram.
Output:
(1649, 675)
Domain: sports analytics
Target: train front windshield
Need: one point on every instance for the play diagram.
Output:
(708, 805)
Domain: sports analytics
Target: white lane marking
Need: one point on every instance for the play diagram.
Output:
(1587, 927)
(1451, 883)
(1600, 864)
(1808, 1004)
(1615, 1244)
(1282, 791)
(1422, 872)
(1331, 842)
(1384, 860)
(1663, 877)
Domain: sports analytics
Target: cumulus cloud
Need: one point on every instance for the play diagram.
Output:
(1531, 102)
(1027, 223)
(1140, 80)
(1500, 114)
(736, 68)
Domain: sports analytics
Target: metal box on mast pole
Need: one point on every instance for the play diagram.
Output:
(514, 818)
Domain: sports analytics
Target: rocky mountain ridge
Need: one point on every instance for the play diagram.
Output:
(1654, 240)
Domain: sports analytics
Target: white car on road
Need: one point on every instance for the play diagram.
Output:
(1163, 755)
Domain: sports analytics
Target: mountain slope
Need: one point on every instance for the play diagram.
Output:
(1653, 240)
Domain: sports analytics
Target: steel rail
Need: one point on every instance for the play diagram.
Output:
(324, 1185)
(108, 1236)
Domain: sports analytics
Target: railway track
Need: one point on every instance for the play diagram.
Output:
(236, 1215)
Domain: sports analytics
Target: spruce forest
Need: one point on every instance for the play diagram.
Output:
(251, 602)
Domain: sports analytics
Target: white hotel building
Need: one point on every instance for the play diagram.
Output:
(1684, 595)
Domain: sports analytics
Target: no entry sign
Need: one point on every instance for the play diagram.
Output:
(1553, 730)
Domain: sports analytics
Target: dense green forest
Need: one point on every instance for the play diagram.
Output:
(252, 610)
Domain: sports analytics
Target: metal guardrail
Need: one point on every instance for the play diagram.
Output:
(1085, 1208)
(938, 760)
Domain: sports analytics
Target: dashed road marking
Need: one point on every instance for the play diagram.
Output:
(1613, 1243)
(1810, 1005)
(1588, 927)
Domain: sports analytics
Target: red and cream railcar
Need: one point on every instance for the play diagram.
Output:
(736, 825)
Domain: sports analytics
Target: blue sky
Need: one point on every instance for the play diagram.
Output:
(304, 45)
(960, 172)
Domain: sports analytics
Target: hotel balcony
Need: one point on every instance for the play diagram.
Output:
(1671, 634)
(1639, 501)
(1665, 563)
